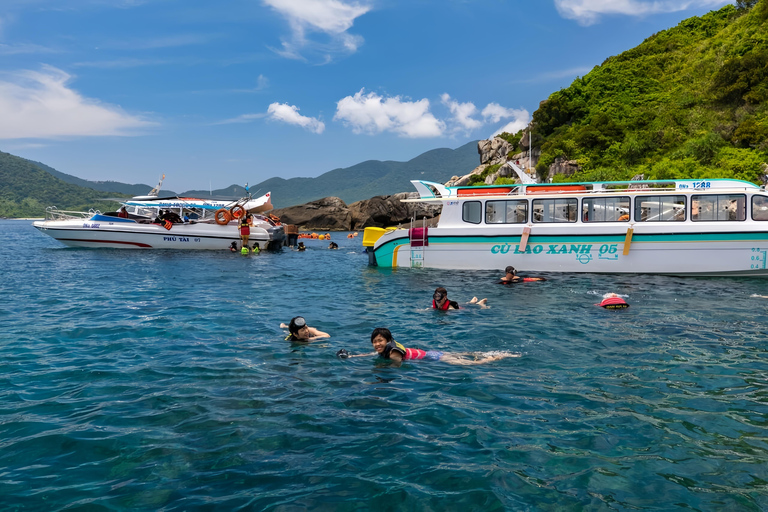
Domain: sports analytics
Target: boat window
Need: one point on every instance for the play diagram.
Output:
(472, 211)
(555, 210)
(659, 208)
(506, 212)
(759, 208)
(714, 207)
(605, 209)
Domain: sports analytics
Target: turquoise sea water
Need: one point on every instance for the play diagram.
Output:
(161, 381)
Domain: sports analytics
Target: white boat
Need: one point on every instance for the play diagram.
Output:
(692, 227)
(167, 223)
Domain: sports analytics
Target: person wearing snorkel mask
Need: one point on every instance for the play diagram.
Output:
(299, 331)
(511, 277)
(440, 301)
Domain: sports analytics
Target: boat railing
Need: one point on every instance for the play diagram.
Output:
(53, 213)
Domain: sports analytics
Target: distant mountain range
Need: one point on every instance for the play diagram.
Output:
(27, 187)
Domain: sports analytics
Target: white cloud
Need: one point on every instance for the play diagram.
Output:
(23, 48)
(39, 104)
(462, 113)
(588, 12)
(331, 17)
(493, 113)
(371, 113)
(245, 118)
(290, 114)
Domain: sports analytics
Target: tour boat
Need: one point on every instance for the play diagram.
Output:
(167, 223)
(716, 227)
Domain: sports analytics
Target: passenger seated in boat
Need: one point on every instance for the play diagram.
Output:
(511, 277)
(385, 346)
(123, 213)
(299, 331)
(440, 301)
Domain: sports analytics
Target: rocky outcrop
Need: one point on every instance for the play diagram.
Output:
(329, 213)
(382, 211)
(493, 152)
(562, 166)
(332, 214)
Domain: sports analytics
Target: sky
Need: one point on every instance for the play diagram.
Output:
(238, 91)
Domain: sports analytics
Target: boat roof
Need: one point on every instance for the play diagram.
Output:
(431, 191)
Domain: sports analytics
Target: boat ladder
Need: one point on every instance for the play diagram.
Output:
(419, 239)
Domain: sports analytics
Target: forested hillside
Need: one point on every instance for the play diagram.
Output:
(691, 101)
(27, 190)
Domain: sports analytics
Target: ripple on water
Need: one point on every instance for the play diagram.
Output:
(161, 381)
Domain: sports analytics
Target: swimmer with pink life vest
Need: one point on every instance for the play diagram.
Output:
(386, 347)
(513, 278)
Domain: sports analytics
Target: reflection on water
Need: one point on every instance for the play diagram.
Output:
(161, 380)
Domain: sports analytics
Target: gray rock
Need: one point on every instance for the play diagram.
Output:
(329, 213)
(332, 214)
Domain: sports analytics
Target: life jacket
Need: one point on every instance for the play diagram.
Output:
(613, 303)
(446, 306)
(397, 347)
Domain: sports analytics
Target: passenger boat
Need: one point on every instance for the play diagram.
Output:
(715, 227)
(167, 223)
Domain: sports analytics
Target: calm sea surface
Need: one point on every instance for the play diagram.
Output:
(160, 380)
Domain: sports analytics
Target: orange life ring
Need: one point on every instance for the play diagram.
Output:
(222, 216)
(237, 211)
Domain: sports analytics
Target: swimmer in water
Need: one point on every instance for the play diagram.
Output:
(233, 247)
(511, 277)
(385, 346)
(299, 331)
(440, 301)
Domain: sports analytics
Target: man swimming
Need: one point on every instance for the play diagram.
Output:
(511, 277)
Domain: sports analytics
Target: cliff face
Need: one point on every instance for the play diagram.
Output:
(332, 214)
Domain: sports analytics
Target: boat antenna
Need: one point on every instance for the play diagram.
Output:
(155, 191)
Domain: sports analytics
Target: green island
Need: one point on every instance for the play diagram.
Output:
(688, 102)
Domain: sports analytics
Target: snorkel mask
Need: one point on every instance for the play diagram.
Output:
(438, 296)
(296, 324)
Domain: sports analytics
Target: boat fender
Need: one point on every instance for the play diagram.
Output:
(613, 303)
(237, 211)
(222, 216)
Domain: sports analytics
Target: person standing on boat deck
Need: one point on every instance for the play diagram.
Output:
(386, 347)
(299, 331)
(440, 301)
(245, 229)
(511, 277)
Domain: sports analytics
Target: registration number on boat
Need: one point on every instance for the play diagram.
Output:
(697, 185)
(95, 225)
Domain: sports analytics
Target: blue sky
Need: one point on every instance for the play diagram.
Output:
(235, 91)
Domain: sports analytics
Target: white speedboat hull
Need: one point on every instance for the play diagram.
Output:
(131, 235)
